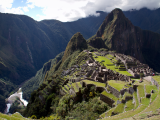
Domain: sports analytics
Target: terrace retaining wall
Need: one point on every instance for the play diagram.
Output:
(154, 82)
(107, 100)
(114, 91)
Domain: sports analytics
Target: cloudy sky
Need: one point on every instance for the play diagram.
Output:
(70, 10)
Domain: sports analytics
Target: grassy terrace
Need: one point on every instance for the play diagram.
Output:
(108, 113)
(119, 108)
(117, 84)
(75, 87)
(109, 95)
(141, 91)
(145, 101)
(64, 90)
(136, 100)
(129, 105)
(95, 83)
(157, 78)
(109, 65)
(79, 84)
(147, 105)
(149, 88)
(126, 114)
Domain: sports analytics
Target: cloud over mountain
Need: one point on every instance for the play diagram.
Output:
(70, 10)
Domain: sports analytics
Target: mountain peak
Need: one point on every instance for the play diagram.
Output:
(77, 42)
(114, 23)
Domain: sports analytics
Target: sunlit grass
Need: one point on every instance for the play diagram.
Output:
(119, 85)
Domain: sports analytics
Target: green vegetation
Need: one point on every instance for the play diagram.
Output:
(119, 109)
(141, 91)
(109, 95)
(119, 85)
(129, 105)
(136, 100)
(157, 78)
(149, 88)
(109, 65)
(84, 110)
(95, 83)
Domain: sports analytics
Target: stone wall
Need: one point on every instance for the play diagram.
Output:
(114, 91)
(107, 100)
(154, 82)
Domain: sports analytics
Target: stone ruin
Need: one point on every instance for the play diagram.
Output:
(133, 66)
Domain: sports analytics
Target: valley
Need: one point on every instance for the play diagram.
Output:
(108, 76)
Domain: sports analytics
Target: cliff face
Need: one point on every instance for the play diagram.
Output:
(121, 35)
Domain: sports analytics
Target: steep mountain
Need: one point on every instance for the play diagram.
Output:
(120, 35)
(93, 85)
(25, 44)
(48, 92)
(32, 84)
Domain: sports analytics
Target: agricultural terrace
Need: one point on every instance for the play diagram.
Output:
(109, 64)
(119, 85)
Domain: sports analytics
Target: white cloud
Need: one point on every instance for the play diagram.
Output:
(25, 9)
(6, 7)
(70, 10)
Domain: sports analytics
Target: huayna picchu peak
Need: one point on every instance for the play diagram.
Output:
(112, 75)
(120, 35)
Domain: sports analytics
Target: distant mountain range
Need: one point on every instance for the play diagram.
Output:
(25, 44)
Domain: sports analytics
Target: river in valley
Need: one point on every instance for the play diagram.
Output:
(13, 97)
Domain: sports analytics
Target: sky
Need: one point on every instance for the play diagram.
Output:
(70, 10)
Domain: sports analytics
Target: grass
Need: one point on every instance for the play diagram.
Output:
(157, 78)
(127, 114)
(129, 105)
(109, 65)
(119, 85)
(15, 116)
(66, 87)
(119, 108)
(108, 113)
(95, 83)
(136, 100)
(79, 84)
(145, 101)
(64, 90)
(75, 88)
(141, 91)
(149, 88)
(109, 95)
(153, 96)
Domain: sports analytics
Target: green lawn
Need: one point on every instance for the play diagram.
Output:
(95, 83)
(119, 85)
(129, 105)
(109, 95)
(110, 65)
